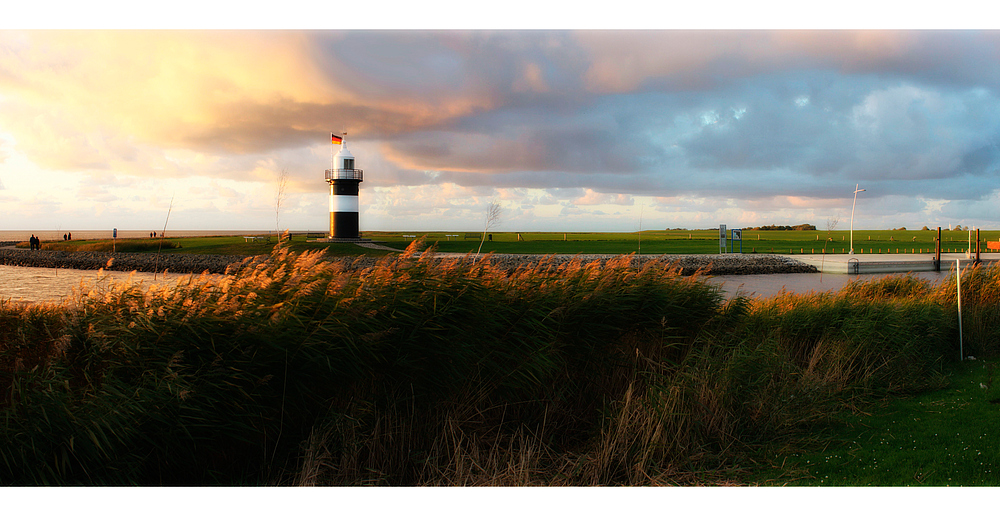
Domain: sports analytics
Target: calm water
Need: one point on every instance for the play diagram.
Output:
(36, 284)
(766, 285)
(19, 236)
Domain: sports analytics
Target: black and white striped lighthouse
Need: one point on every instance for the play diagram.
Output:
(344, 181)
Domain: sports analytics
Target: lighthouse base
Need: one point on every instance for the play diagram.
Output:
(336, 240)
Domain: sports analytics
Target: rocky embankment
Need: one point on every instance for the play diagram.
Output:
(716, 265)
(142, 262)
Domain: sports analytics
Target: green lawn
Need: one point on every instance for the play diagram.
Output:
(651, 242)
(940, 438)
(694, 242)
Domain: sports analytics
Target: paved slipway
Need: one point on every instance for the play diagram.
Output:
(735, 264)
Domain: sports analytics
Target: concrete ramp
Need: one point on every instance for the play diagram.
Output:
(888, 263)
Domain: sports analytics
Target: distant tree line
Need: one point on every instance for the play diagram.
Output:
(772, 227)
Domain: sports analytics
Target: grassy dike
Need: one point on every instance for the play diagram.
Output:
(301, 371)
(695, 242)
(649, 242)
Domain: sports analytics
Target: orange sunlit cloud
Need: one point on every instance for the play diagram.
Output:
(94, 99)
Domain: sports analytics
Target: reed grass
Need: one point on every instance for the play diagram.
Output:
(418, 371)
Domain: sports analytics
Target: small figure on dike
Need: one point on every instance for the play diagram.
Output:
(64, 236)
(70, 236)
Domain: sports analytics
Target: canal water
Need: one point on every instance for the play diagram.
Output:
(767, 285)
(37, 284)
(41, 284)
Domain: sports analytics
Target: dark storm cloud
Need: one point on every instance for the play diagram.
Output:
(761, 113)
(429, 66)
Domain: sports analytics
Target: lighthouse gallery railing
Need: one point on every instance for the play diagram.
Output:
(344, 173)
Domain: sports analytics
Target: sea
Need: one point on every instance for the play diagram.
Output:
(37, 284)
(57, 234)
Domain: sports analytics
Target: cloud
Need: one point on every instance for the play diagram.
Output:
(779, 124)
(592, 198)
(625, 61)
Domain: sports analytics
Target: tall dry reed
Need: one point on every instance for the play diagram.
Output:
(428, 371)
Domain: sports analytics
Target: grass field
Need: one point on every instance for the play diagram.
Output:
(650, 242)
(694, 242)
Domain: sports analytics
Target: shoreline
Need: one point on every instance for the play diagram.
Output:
(721, 265)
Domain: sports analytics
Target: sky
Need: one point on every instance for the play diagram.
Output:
(570, 128)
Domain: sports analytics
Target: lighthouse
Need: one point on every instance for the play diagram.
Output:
(344, 181)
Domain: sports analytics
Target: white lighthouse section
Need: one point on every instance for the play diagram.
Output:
(347, 203)
(343, 160)
(343, 166)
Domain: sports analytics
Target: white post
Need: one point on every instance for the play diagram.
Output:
(856, 190)
(640, 228)
(958, 277)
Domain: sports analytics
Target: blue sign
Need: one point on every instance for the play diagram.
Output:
(114, 233)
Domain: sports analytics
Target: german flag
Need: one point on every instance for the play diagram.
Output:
(336, 139)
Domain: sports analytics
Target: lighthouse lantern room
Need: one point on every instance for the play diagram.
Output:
(345, 180)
